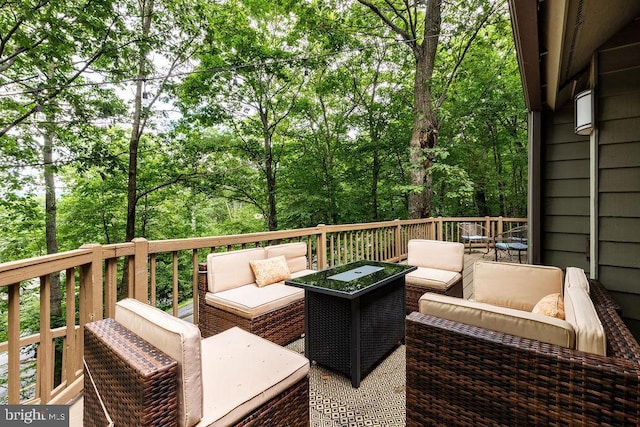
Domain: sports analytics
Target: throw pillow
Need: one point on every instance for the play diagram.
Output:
(270, 270)
(551, 305)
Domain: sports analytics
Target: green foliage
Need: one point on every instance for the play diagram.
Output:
(484, 129)
(21, 227)
(295, 103)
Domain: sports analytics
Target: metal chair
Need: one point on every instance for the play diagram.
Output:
(512, 241)
(473, 233)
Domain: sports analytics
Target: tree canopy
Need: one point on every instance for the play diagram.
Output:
(170, 119)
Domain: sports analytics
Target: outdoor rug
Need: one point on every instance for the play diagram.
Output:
(380, 400)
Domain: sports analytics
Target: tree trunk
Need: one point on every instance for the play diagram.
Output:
(481, 201)
(50, 217)
(330, 187)
(497, 159)
(269, 170)
(271, 185)
(402, 20)
(136, 132)
(375, 174)
(425, 123)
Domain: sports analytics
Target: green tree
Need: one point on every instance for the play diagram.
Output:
(383, 96)
(484, 132)
(423, 26)
(45, 49)
(249, 81)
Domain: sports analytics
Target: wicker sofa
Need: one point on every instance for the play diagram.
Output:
(229, 294)
(463, 373)
(156, 370)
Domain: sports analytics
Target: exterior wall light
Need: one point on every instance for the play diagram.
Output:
(584, 112)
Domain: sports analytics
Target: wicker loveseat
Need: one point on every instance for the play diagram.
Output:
(463, 374)
(229, 294)
(148, 368)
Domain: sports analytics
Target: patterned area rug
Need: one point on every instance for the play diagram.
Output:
(379, 401)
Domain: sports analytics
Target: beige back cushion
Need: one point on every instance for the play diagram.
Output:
(180, 340)
(506, 320)
(580, 312)
(518, 286)
(294, 253)
(230, 270)
(575, 278)
(436, 254)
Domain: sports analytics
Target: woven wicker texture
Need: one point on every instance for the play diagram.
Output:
(369, 326)
(289, 408)
(280, 326)
(415, 292)
(136, 381)
(468, 376)
(330, 325)
(138, 384)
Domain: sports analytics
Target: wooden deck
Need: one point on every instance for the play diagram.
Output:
(469, 260)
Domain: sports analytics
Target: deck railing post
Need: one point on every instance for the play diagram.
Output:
(13, 335)
(440, 227)
(432, 228)
(322, 247)
(90, 292)
(45, 346)
(91, 286)
(141, 274)
(194, 284)
(399, 249)
(490, 230)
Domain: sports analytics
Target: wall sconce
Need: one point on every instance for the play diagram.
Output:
(584, 112)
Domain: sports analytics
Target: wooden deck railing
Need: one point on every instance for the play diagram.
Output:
(90, 277)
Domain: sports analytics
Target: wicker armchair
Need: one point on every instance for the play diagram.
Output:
(278, 318)
(466, 375)
(173, 378)
(440, 270)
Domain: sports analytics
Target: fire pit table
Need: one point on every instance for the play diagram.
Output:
(354, 315)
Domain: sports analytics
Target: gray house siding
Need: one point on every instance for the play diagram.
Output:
(618, 92)
(565, 228)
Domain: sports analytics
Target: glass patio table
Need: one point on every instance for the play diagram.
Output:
(354, 315)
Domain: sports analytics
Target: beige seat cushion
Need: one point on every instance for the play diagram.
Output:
(432, 278)
(575, 277)
(580, 312)
(506, 320)
(243, 371)
(294, 253)
(180, 340)
(229, 270)
(436, 254)
(518, 286)
(250, 301)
